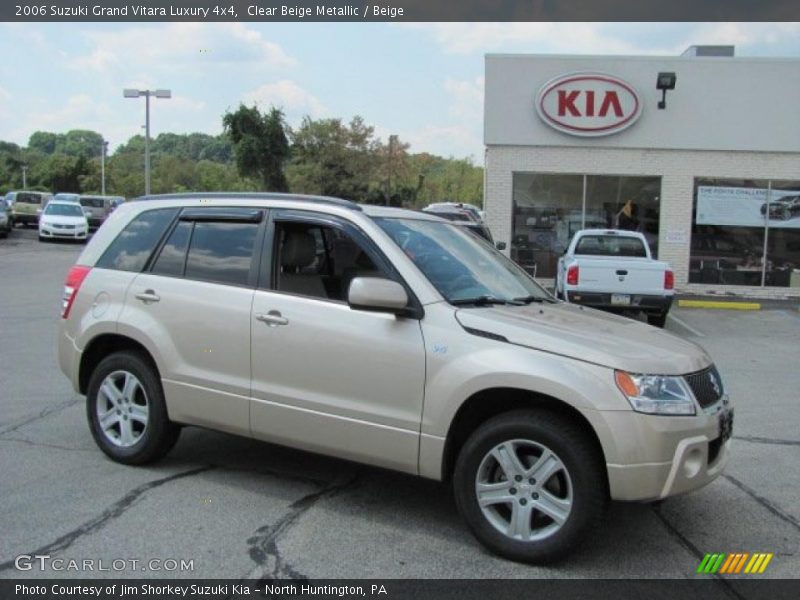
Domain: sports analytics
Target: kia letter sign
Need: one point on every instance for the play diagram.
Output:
(588, 104)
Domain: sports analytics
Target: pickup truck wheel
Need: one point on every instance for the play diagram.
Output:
(530, 485)
(657, 320)
(126, 410)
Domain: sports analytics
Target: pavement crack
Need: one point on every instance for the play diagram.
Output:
(44, 445)
(41, 415)
(263, 545)
(774, 509)
(688, 545)
(764, 440)
(109, 514)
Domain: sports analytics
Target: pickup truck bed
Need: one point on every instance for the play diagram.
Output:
(613, 269)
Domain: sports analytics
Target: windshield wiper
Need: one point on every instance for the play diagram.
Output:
(529, 299)
(483, 301)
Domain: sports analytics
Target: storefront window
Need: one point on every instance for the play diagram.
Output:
(732, 220)
(550, 208)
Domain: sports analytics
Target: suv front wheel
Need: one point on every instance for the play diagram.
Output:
(126, 410)
(530, 485)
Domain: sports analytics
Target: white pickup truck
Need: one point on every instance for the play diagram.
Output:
(612, 269)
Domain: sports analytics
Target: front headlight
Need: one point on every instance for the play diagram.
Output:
(656, 394)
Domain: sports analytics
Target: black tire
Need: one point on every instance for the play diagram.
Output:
(657, 319)
(158, 436)
(581, 462)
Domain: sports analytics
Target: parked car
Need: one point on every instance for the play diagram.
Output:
(27, 206)
(783, 209)
(614, 270)
(63, 220)
(388, 337)
(476, 212)
(97, 208)
(451, 213)
(5, 220)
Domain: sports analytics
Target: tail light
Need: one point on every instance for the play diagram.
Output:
(73, 283)
(572, 275)
(669, 280)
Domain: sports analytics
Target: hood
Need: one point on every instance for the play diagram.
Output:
(589, 335)
(63, 220)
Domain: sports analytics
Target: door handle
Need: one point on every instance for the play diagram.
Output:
(148, 296)
(272, 318)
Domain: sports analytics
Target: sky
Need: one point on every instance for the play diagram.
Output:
(421, 81)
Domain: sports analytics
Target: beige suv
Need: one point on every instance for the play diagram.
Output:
(388, 337)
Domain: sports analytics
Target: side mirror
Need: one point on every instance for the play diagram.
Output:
(377, 294)
(500, 245)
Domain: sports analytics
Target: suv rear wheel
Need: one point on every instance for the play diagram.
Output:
(530, 485)
(126, 410)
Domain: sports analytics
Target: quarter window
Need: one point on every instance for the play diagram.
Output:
(134, 245)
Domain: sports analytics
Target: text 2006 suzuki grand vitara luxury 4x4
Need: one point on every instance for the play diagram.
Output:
(388, 337)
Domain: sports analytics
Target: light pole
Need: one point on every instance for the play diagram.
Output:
(129, 93)
(24, 178)
(103, 149)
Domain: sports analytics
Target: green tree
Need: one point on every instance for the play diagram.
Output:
(260, 145)
(334, 159)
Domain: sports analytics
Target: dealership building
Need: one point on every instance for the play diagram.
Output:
(699, 152)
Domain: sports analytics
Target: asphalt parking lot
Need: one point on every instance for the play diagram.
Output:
(240, 508)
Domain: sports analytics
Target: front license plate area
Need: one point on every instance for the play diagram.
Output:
(726, 424)
(620, 299)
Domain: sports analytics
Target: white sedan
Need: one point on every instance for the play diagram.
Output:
(63, 220)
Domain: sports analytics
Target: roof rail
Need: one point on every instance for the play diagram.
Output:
(254, 196)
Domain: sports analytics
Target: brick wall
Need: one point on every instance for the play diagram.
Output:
(677, 168)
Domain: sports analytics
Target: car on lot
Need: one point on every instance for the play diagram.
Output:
(388, 337)
(97, 208)
(27, 206)
(613, 269)
(476, 212)
(783, 209)
(6, 223)
(63, 220)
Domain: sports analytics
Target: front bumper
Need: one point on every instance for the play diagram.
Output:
(669, 455)
(46, 231)
(641, 302)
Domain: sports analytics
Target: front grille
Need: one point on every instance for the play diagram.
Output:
(703, 388)
(59, 226)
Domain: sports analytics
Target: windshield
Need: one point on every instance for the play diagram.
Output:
(64, 210)
(461, 266)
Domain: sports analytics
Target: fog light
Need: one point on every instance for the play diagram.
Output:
(693, 463)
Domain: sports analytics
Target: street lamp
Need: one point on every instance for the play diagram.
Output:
(129, 93)
(103, 149)
(24, 178)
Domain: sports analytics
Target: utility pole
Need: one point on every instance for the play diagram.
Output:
(103, 149)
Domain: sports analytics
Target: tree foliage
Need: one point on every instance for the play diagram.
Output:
(260, 145)
(256, 151)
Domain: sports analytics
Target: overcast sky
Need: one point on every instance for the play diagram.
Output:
(423, 82)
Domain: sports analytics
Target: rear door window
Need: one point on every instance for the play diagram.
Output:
(172, 259)
(221, 252)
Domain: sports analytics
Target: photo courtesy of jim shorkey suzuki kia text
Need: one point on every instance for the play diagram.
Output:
(177, 590)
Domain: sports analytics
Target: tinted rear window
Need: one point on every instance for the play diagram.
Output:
(610, 245)
(135, 244)
(29, 198)
(221, 252)
(92, 202)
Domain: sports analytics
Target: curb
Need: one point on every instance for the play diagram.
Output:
(727, 305)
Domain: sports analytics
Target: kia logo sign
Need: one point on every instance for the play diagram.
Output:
(588, 104)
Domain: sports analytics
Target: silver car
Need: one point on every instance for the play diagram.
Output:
(388, 337)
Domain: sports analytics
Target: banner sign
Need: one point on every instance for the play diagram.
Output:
(748, 207)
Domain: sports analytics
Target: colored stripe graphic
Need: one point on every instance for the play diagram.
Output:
(722, 563)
